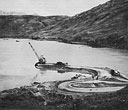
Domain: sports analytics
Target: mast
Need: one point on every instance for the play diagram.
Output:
(34, 51)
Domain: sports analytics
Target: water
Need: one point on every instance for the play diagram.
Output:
(17, 60)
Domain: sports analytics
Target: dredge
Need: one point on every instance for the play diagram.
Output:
(65, 67)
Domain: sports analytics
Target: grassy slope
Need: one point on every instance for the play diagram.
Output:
(22, 98)
(103, 26)
(24, 26)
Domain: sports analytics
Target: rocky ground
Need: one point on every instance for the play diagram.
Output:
(47, 96)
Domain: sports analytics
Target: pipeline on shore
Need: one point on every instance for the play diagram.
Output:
(102, 81)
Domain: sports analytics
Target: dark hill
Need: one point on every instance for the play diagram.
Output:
(15, 26)
(103, 26)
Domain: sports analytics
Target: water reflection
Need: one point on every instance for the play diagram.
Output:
(50, 75)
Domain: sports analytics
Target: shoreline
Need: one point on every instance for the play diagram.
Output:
(50, 96)
(67, 42)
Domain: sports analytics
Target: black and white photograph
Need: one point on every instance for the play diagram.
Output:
(63, 54)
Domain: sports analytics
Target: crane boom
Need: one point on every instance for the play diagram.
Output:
(34, 51)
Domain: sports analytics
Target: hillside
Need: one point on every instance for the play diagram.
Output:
(11, 13)
(15, 26)
(103, 26)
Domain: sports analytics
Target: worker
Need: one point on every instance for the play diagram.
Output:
(42, 60)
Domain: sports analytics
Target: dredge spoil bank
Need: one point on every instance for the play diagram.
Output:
(101, 89)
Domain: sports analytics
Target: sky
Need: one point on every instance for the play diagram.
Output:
(49, 7)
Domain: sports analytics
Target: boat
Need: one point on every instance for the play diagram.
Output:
(17, 41)
(51, 66)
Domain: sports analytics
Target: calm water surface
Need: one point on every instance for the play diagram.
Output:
(17, 60)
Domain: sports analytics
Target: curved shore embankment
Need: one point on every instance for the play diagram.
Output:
(99, 85)
(103, 80)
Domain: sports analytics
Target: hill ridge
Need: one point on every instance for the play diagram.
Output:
(105, 25)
